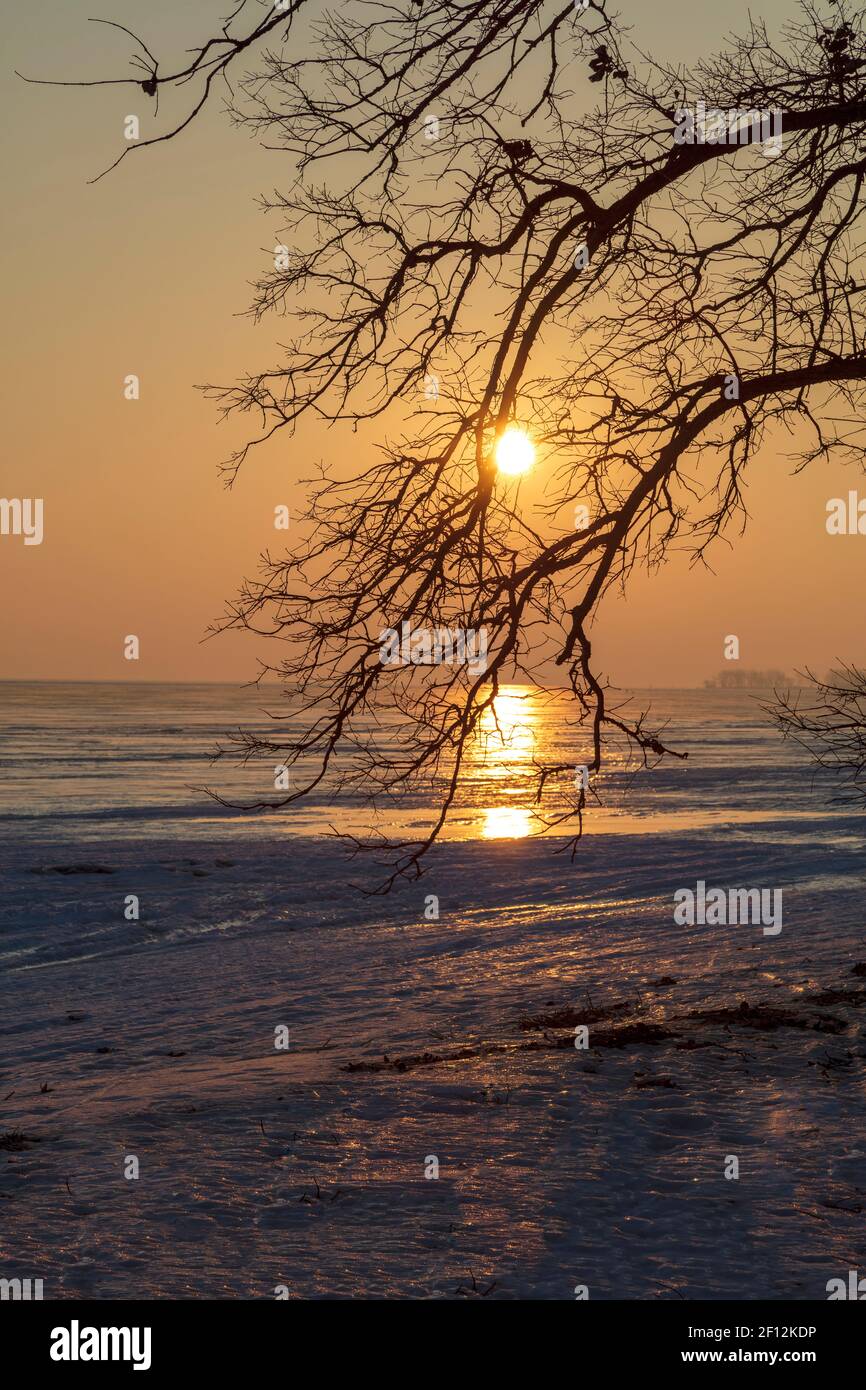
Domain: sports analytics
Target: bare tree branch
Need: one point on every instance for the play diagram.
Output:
(459, 216)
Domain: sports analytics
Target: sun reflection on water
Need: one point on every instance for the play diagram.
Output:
(506, 823)
(504, 756)
(508, 734)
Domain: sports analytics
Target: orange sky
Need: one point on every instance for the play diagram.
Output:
(146, 272)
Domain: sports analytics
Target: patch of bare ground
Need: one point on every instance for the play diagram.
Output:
(766, 1017)
(14, 1141)
(694, 1029)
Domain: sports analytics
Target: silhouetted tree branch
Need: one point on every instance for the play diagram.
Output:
(457, 214)
(828, 720)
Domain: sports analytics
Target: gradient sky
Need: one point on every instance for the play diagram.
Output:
(147, 271)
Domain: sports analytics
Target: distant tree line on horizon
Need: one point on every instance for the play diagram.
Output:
(747, 680)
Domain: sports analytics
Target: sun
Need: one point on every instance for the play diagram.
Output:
(515, 452)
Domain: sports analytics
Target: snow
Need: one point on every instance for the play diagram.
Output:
(558, 1166)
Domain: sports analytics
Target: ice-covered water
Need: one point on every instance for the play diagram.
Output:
(106, 760)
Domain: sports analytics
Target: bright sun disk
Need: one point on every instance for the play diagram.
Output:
(515, 452)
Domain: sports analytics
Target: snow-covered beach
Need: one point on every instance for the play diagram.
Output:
(303, 1170)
